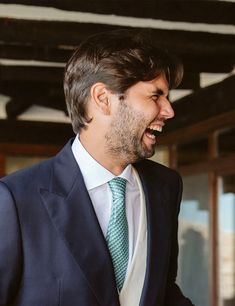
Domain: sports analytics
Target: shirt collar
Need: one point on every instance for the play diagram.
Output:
(94, 174)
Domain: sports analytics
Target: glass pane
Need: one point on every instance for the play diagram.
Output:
(193, 240)
(227, 240)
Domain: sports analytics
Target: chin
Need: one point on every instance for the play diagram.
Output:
(145, 155)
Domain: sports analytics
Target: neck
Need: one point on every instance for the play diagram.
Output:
(95, 146)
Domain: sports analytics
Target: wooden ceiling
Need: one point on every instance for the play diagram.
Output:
(53, 41)
(215, 12)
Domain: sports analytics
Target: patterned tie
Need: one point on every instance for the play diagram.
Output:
(117, 233)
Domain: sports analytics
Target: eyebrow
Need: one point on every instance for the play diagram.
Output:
(160, 92)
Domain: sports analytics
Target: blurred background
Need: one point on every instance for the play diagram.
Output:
(37, 38)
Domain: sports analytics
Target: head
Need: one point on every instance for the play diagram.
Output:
(119, 59)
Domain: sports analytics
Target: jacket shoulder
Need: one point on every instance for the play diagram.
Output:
(150, 167)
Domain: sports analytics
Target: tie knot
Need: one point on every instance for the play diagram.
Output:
(118, 187)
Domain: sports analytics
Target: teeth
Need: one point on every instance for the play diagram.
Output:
(151, 136)
(156, 128)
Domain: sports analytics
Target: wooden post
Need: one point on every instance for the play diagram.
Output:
(213, 227)
(2, 165)
(173, 158)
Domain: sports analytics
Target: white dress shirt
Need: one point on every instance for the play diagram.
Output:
(96, 179)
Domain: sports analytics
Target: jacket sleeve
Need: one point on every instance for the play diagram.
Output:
(174, 296)
(10, 247)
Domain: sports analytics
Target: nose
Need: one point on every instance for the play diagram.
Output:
(166, 110)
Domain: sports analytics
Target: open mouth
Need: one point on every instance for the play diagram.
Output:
(153, 132)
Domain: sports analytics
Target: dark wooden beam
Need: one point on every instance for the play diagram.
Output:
(212, 63)
(27, 85)
(33, 52)
(226, 141)
(199, 63)
(26, 89)
(24, 94)
(16, 106)
(196, 130)
(219, 165)
(15, 87)
(33, 77)
(32, 74)
(53, 33)
(2, 164)
(190, 81)
(27, 149)
(24, 39)
(191, 11)
(32, 132)
(216, 144)
(203, 104)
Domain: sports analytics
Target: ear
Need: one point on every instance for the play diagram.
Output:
(100, 97)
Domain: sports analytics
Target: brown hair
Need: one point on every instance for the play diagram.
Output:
(119, 59)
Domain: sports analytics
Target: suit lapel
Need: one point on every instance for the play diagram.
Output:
(71, 211)
(158, 227)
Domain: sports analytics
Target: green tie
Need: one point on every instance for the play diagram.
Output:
(117, 233)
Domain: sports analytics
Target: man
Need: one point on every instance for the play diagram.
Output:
(97, 224)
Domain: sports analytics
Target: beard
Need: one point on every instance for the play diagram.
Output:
(124, 139)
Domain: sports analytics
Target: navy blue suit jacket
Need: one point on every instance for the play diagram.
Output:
(52, 250)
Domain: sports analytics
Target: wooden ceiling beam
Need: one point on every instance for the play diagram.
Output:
(32, 132)
(15, 88)
(188, 11)
(33, 52)
(54, 34)
(19, 104)
(32, 74)
(213, 63)
(203, 104)
(27, 149)
(25, 94)
(197, 130)
(190, 81)
(26, 76)
(43, 32)
(15, 107)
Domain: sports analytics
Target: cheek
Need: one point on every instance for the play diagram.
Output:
(150, 111)
(145, 108)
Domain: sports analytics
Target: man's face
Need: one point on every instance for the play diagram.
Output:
(144, 109)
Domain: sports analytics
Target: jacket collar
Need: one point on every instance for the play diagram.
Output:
(158, 228)
(67, 197)
(69, 206)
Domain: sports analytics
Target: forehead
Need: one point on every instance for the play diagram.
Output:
(159, 85)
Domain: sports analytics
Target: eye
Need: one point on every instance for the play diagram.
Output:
(155, 97)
